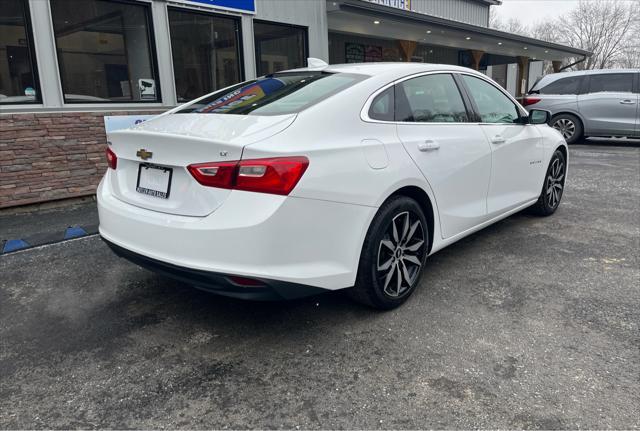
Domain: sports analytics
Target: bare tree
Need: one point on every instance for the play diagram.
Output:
(494, 19)
(602, 28)
(512, 25)
(608, 28)
(629, 58)
(547, 30)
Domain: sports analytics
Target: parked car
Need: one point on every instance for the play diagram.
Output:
(325, 178)
(594, 103)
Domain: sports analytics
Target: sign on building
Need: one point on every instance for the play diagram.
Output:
(239, 5)
(398, 4)
(147, 88)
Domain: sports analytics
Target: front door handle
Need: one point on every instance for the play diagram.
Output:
(627, 102)
(498, 140)
(428, 146)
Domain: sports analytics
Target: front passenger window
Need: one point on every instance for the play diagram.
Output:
(493, 106)
(430, 99)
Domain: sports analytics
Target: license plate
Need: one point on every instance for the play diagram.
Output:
(154, 180)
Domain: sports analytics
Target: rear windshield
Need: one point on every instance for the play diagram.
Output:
(282, 93)
(568, 85)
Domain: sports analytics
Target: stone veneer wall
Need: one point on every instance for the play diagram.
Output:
(48, 156)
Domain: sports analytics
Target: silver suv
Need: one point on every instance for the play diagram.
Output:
(601, 103)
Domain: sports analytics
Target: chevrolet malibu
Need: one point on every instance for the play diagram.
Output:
(326, 178)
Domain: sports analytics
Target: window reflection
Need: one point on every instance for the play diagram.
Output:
(205, 53)
(279, 47)
(18, 81)
(104, 51)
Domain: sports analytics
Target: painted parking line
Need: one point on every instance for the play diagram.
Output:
(71, 232)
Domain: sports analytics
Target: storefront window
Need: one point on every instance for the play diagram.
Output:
(279, 47)
(105, 51)
(205, 52)
(18, 77)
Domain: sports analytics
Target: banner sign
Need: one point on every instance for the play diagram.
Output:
(239, 5)
(119, 122)
(398, 4)
(243, 96)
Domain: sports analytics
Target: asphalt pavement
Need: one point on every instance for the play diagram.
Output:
(530, 323)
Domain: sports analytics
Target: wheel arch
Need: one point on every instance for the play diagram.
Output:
(422, 198)
(574, 114)
(563, 150)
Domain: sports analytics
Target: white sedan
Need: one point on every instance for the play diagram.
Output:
(326, 178)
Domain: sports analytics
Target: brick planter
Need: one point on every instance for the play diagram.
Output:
(51, 156)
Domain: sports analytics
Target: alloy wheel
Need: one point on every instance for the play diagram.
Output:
(400, 254)
(566, 127)
(555, 183)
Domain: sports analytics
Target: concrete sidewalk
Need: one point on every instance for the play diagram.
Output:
(26, 227)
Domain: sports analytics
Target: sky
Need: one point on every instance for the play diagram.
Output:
(534, 11)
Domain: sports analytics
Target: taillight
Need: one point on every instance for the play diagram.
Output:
(278, 175)
(112, 159)
(214, 174)
(530, 101)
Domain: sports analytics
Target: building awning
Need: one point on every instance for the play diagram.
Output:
(357, 16)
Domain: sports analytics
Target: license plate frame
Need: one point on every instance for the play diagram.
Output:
(153, 192)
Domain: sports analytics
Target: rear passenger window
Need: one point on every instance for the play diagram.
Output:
(382, 106)
(430, 99)
(570, 85)
(611, 83)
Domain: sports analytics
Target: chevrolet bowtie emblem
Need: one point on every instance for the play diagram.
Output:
(144, 154)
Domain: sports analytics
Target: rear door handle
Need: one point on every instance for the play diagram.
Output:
(498, 140)
(428, 146)
(627, 102)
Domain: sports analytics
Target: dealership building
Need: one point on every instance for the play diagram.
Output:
(66, 64)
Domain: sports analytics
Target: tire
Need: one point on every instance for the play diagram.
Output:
(553, 186)
(391, 261)
(569, 126)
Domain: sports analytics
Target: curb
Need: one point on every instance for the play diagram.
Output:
(71, 232)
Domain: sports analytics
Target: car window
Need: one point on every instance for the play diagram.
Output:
(430, 99)
(492, 104)
(611, 82)
(569, 85)
(280, 93)
(382, 107)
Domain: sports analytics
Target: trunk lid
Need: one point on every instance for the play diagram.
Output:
(173, 142)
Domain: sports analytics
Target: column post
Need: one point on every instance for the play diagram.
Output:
(46, 56)
(248, 48)
(407, 48)
(523, 76)
(477, 58)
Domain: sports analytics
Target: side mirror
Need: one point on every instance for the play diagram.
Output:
(539, 116)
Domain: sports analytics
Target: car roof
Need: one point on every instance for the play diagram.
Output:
(553, 77)
(592, 72)
(386, 68)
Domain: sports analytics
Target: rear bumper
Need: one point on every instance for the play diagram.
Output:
(297, 241)
(271, 290)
